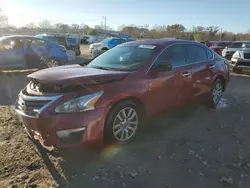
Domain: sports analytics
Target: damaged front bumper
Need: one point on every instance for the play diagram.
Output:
(59, 130)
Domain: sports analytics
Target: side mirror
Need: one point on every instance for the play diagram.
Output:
(162, 67)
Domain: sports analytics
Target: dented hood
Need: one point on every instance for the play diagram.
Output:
(72, 74)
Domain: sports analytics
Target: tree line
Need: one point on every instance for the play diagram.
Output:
(198, 33)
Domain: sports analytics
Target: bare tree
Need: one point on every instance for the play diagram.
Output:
(74, 27)
(120, 28)
(64, 28)
(211, 32)
(199, 29)
(44, 24)
(3, 21)
(31, 25)
(57, 25)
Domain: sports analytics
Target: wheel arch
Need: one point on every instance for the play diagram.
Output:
(104, 48)
(134, 99)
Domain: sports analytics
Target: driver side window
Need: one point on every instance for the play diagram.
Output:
(6, 45)
(174, 55)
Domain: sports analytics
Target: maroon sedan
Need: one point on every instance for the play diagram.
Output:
(106, 100)
(219, 46)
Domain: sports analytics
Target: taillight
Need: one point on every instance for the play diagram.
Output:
(63, 48)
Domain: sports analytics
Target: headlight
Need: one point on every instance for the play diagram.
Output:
(224, 53)
(237, 55)
(79, 104)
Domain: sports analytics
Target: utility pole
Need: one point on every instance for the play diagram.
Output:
(220, 33)
(104, 17)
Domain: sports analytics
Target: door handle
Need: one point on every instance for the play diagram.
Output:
(211, 66)
(184, 74)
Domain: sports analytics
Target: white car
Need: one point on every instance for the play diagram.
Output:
(98, 46)
(240, 60)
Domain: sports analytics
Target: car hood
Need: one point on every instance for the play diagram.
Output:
(77, 74)
(96, 44)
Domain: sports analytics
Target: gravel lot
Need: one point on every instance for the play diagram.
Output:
(195, 147)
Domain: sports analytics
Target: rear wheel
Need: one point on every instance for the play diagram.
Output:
(52, 63)
(122, 123)
(216, 93)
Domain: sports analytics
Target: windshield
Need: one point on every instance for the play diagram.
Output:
(123, 58)
(106, 40)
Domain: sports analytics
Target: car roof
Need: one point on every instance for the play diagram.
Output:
(239, 41)
(17, 36)
(163, 42)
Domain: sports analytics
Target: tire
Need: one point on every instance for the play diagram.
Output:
(119, 128)
(52, 63)
(216, 93)
(236, 70)
(104, 49)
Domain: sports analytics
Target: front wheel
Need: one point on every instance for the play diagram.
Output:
(52, 63)
(122, 123)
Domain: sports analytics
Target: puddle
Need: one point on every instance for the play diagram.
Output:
(222, 104)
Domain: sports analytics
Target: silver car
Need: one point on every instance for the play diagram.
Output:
(241, 59)
(233, 47)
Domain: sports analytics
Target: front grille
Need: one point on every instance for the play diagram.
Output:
(37, 87)
(244, 63)
(246, 55)
(30, 107)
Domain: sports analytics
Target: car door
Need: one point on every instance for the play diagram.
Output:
(12, 53)
(200, 60)
(112, 43)
(173, 87)
(36, 50)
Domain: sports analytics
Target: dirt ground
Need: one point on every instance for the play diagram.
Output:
(195, 147)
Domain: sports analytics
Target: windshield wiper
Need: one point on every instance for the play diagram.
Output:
(103, 68)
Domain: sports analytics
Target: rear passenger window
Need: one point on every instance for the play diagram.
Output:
(174, 55)
(209, 54)
(37, 42)
(195, 53)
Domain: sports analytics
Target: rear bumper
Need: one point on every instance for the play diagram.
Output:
(66, 130)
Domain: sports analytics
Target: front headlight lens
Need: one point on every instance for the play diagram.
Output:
(236, 55)
(79, 104)
(223, 53)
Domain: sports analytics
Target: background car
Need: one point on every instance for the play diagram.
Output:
(70, 43)
(30, 52)
(87, 39)
(218, 46)
(106, 44)
(241, 60)
(233, 47)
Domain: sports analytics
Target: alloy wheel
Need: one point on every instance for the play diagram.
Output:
(217, 92)
(52, 63)
(125, 124)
